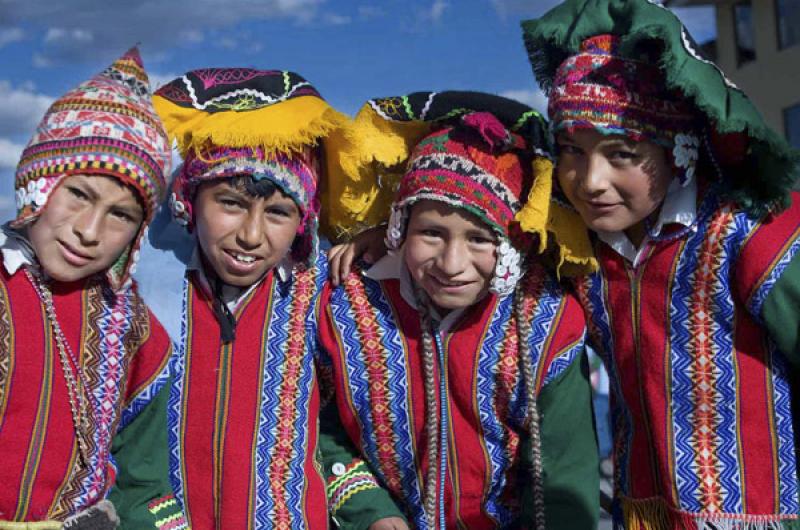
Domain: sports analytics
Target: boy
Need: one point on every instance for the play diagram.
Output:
(80, 354)
(244, 406)
(459, 368)
(696, 307)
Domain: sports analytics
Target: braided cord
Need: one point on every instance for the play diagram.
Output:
(431, 416)
(532, 413)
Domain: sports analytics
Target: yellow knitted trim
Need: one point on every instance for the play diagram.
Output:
(283, 127)
(343, 499)
(163, 505)
(162, 522)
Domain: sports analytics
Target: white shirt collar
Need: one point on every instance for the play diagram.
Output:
(232, 295)
(16, 249)
(679, 206)
(392, 267)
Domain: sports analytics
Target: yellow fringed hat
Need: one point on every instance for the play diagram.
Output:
(375, 148)
(263, 123)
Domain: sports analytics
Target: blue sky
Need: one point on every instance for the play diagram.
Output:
(350, 50)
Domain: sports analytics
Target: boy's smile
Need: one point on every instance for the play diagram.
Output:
(615, 183)
(242, 236)
(86, 225)
(450, 254)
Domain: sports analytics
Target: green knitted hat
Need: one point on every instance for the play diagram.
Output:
(758, 165)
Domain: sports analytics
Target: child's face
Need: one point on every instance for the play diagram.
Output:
(242, 237)
(613, 182)
(87, 224)
(450, 254)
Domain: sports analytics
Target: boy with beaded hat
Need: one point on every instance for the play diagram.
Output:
(80, 353)
(696, 307)
(459, 365)
(244, 406)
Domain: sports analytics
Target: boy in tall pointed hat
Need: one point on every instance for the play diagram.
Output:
(80, 353)
(696, 308)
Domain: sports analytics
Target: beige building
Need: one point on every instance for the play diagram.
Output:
(758, 47)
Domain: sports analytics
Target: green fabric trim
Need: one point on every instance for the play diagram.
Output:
(771, 167)
(362, 509)
(569, 453)
(781, 312)
(142, 456)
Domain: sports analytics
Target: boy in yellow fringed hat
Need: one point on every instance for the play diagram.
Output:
(247, 388)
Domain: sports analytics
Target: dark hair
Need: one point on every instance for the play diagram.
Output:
(255, 187)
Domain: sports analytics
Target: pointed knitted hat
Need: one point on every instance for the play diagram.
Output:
(400, 147)
(105, 126)
(267, 124)
(758, 166)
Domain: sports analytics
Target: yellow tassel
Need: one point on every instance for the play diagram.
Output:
(367, 159)
(648, 514)
(289, 126)
(544, 217)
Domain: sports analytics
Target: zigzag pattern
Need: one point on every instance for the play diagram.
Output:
(104, 368)
(493, 397)
(706, 425)
(175, 402)
(704, 376)
(760, 295)
(592, 292)
(366, 301)
(289, 369)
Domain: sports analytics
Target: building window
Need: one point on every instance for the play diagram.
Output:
(745, 36)
(791, 122)
(788, 18)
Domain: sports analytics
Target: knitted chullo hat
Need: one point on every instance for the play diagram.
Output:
(757, 165)
(600, 90)
(476, 165)
(485, 152)
(238, 121)
(106, 126)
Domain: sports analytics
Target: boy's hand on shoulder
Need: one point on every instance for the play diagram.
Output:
(367, 246)
(389, 523)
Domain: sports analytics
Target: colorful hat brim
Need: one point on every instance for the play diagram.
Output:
(374, 149)
(286, 127)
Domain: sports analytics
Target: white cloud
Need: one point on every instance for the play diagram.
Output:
(437, 10)
(9, 154)
(336, 20)
(368, 12)
(67, 27)
(533, 97)
(9, 35)
(60, 35)
(21, 108)
(523, 8)
(192, 36)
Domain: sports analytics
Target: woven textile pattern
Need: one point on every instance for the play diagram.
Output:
(262, 476)
(379, 359)
(705, 449)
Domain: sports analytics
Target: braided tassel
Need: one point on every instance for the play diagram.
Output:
(431, 415)
(532, 414)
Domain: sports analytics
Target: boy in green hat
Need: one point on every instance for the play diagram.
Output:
(696, 307)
